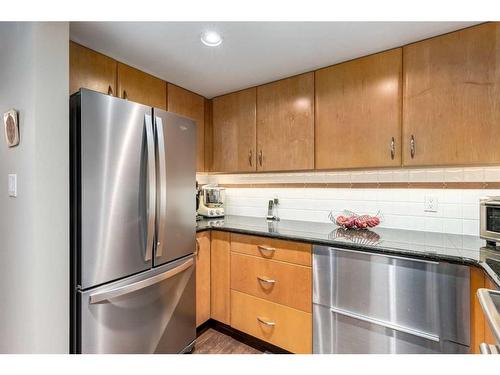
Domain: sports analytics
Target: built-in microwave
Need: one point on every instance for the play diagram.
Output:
(490, 219)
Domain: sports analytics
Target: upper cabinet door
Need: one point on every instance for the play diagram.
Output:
(234, 132)
(451, 107)
(141, 87)
(358, 113)
(90, 70)
(285, 124)
(189, 104)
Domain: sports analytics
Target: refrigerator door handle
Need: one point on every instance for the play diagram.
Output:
(106, 296)
(162, 182)
(152, 186)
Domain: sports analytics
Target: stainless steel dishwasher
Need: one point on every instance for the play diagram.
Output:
(377, 303)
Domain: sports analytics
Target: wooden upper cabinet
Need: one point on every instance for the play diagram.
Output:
(140, 87)
(91, 70)
(285, 124)
(189, 104)
(234, 132)
(451, 104)
(358, 113)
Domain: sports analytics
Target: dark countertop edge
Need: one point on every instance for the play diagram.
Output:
(367, 248)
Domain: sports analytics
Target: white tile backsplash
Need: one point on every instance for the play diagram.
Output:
(457, 213)
(400, 208)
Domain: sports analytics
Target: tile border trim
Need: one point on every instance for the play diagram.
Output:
(368, 185)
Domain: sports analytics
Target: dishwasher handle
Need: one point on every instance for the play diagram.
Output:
(382, 323)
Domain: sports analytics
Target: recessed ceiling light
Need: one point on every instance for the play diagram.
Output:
(211, 38)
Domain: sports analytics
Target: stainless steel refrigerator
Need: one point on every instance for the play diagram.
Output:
(132, 227)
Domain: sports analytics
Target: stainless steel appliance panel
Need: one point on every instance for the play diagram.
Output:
(489, 214)
(342, 334)
(418, 297)
(117, 207)
(153, 312)
(176, 165)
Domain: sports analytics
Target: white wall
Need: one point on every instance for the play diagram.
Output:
(34, 227)
(402, 208)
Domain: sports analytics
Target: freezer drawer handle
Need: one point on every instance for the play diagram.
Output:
(105, 296)
(385, 324)
(152, 186)
(162, 203)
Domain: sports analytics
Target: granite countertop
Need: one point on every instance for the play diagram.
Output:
(454, 248)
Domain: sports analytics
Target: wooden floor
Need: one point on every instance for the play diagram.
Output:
(215, 342)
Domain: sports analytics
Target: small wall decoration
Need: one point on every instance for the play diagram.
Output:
(10, 121)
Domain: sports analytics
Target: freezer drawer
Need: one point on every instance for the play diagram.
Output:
(336, 332)
(418, 296)
(152, 312)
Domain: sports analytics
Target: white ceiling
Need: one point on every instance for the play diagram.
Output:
(252, 52)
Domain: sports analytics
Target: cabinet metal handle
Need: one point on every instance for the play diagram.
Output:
(250, 157)
(412, 146)
(265, 248)
(197, 248)
(110, 90)
(266, 280)
(393, 148)
(267, 323)
(125, 96)
(260, 158)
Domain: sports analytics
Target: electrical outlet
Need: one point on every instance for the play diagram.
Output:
(430, 203)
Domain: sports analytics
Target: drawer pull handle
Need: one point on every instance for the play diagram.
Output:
(266, 280)
(382, 323)
(265, 248)
(267, 323)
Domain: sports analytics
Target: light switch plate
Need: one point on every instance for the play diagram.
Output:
(430, 203)
(12, 185)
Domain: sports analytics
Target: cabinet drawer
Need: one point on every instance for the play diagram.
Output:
(279, 325)
(285, 251)
(288, 284)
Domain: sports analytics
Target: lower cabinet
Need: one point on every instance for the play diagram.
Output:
(271, 291)
(220, 307)
(202, 260)
(480, 330)
(260, 286)
(280, 325)
(263, 287)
